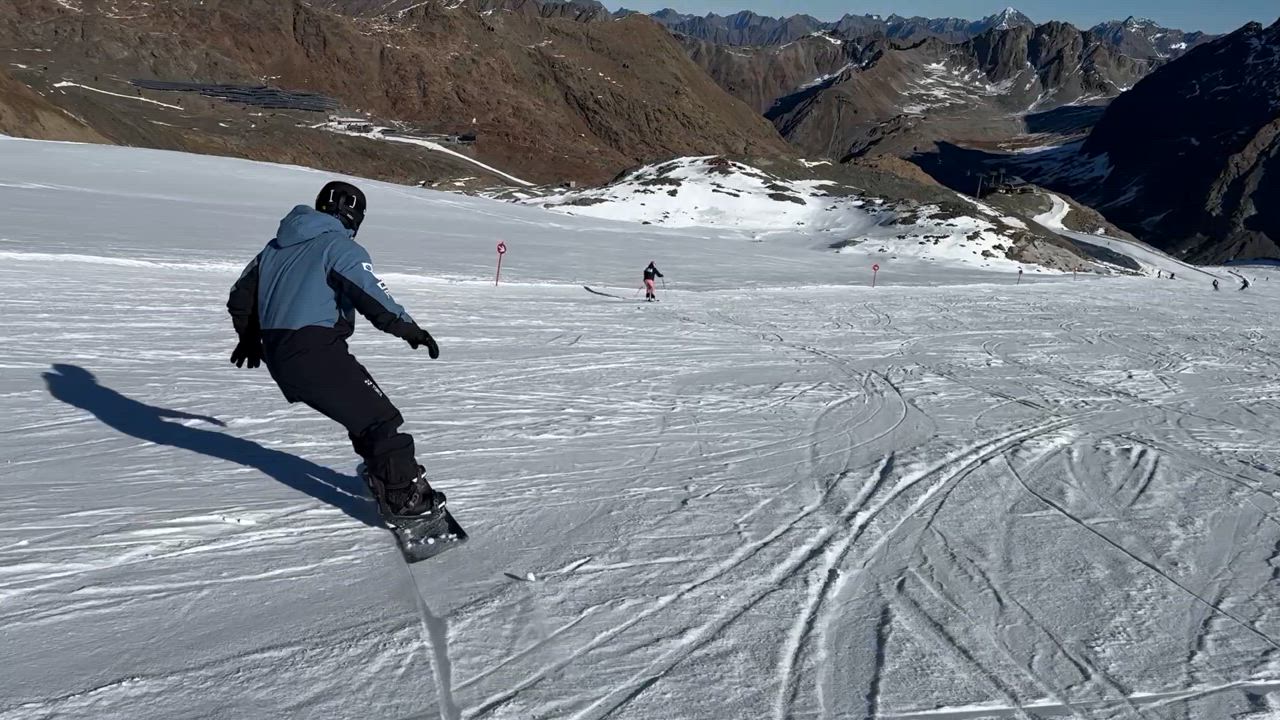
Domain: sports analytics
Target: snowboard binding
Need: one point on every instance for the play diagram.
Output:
(420, 535)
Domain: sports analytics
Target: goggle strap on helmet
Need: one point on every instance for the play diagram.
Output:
(345, 202)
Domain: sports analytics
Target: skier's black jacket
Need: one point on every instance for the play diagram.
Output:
(650, 272)
(301, 292)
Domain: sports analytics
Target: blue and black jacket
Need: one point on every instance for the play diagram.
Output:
(302, 291)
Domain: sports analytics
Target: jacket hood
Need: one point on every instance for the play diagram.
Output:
(304, 223)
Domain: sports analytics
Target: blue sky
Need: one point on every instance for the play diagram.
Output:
(1220, 16)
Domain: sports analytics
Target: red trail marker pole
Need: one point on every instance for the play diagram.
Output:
(875, 270)
(502, 250)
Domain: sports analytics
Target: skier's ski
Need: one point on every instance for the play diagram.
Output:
(601, 293)
(419, 538)
(593, 291)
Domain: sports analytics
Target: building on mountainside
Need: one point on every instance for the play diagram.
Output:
(1014, 185)
(997, 181)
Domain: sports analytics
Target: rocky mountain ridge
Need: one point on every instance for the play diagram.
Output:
(1139, 38)
(841, 98)
(1188, 160)
(1193, 152)
(749, 28)
(1143, 38)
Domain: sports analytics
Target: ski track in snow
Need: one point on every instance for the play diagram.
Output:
(766, 496)
(138, 98)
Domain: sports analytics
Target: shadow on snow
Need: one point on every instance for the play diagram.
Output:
(78, 387)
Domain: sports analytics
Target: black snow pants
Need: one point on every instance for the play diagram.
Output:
(314, 366)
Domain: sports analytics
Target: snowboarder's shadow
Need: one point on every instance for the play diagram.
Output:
(78, 387)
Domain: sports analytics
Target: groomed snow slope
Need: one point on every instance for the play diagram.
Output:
(767, 496)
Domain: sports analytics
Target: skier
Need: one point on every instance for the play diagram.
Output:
(293, 307)
(1215, 284)
(1244, 283)
(650, 273)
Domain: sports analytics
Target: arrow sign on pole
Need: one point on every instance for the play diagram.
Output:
(502, 250)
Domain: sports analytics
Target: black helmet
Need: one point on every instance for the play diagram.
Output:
(343, 201)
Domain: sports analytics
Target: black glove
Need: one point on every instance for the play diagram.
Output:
(247, 350)
(418, 337)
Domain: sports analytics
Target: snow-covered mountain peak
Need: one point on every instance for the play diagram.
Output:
(1008, 19)
(1135, 22)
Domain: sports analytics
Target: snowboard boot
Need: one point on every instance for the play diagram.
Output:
(416, 499)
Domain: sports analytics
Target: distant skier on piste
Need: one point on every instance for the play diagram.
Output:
(650, 273)
(294, 308)
(1244, 283)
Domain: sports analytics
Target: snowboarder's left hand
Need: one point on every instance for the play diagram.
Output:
(247, 351)
(421, 337)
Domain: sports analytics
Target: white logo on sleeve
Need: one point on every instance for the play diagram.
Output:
(368, 267)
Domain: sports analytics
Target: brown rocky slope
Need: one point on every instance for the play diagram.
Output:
(1193, 152)
(24, 113)
(549, 98)
(842, 97)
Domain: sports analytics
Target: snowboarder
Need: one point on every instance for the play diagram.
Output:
(1215, 284)
(1171, 276)
(294, 308)
(650, 273)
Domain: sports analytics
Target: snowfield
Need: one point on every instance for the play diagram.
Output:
(778, 493)
(712, 192)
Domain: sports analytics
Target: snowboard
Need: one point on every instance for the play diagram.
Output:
(419, 538)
